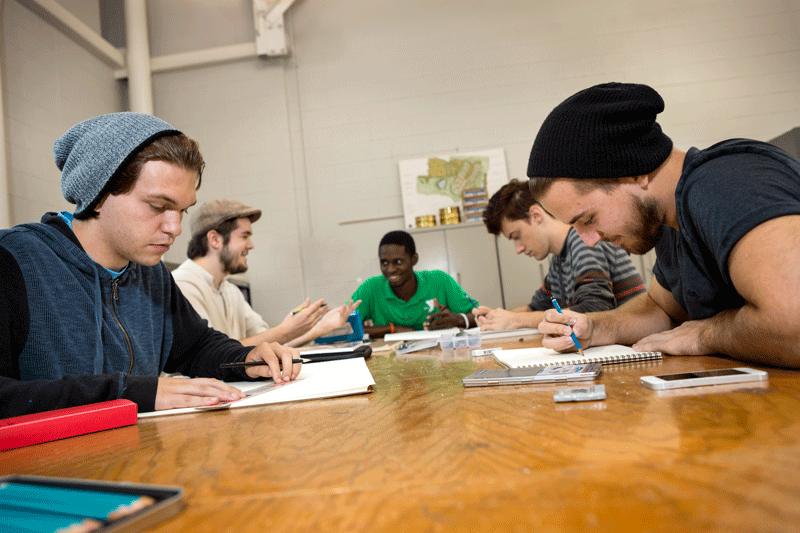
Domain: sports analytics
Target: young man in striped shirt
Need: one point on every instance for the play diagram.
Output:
(581, 277)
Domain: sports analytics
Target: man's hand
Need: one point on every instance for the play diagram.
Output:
(481, 311)
(335, 318)
(174, 393)
(445, 318)
(279, 365)
(686, 339)
(557, 328)
(497, 320)
(297, 323)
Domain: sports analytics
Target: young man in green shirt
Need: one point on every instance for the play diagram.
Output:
(404, 300)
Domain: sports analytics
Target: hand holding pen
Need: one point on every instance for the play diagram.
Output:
(572, 334)
(272, 360)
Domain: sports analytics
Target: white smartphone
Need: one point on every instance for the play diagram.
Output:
(703, 377)
(519, 376)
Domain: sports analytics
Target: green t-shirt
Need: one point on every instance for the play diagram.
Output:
(380, 304)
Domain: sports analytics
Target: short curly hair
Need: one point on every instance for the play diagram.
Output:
(400, 238)
(513, 202)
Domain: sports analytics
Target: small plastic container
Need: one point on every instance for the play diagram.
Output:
(469, 338)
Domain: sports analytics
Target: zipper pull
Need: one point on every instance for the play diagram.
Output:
(114, 291)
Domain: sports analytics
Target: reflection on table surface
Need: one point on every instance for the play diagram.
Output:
(422, 453)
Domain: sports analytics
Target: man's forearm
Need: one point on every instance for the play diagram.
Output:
(627, 324)
(527, 318)
(277, 334)
(750, 334)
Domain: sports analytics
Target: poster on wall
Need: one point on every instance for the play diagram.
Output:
(463, 180)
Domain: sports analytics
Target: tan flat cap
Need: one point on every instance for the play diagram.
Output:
(214, 212)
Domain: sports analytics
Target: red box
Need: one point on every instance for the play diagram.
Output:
(26, 430)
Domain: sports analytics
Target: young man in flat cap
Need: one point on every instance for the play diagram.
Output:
(221, 238)
(88, 312)
(724, 221)
(582, 278)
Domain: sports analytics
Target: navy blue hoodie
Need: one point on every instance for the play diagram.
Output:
(70, 334)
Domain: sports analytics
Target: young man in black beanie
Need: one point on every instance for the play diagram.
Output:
(724, 222)
(88, 312)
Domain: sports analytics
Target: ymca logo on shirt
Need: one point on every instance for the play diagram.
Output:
(431, 305)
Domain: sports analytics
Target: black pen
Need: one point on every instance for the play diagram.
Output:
(242, 364)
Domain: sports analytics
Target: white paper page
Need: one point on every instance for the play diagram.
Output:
(419, 335)
(325, 379)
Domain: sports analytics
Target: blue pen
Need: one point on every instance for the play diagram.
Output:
(471, 300)
(574, 338)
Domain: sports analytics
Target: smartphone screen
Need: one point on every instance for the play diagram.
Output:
(702, 374)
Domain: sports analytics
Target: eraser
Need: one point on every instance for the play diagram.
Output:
(484, 351)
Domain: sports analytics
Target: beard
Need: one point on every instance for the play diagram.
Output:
(228, 264)
(647, 227)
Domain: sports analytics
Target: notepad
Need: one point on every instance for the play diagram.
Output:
(419, 335)
(436, 333)
(326, 379)
(537, 357)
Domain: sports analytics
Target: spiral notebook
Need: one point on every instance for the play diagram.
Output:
(536, 357)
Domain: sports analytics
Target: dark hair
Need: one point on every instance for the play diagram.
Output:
(176, 149)
(198, 245)
(539, 186)
(400, 238)
(513, 202)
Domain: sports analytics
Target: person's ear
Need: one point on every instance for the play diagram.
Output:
(414, 259)
(99, 205)
(535, 214)
(214, 239)
(642, 181)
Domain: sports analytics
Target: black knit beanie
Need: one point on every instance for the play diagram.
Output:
(605, 131)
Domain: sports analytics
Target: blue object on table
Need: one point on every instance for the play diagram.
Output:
(353, 330)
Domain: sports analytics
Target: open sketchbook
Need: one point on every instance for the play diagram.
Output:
(537, 357)
(326, 379)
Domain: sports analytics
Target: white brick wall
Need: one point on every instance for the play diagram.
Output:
(50, 83)
(314, 139)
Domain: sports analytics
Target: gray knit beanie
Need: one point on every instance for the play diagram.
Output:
(605, 131)
(92, 153)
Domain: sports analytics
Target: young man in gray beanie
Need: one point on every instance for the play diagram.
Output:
(221, 238)
(724, 222)
(88, 312)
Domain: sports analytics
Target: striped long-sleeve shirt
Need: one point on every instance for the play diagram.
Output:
(588, 278)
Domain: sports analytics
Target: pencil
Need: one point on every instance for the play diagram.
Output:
(241, 364)
(300, 309)
(574, 338)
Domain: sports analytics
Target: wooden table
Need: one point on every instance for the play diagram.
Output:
(421, 453)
